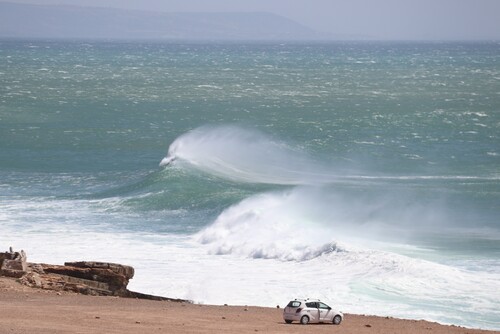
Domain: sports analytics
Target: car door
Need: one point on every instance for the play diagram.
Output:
(325, 312)
(313, 311)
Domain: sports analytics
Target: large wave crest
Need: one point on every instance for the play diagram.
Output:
(244, 155)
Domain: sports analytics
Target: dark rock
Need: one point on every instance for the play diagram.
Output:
(133, 294)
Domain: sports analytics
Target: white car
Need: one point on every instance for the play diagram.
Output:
(311, 311)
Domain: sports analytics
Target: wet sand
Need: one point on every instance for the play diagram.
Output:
(28, 310)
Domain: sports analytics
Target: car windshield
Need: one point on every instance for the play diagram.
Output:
(293, 303)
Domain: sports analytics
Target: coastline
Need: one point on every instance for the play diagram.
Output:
(346, 172)
(33, 310)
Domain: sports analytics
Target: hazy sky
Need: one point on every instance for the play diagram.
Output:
(381, 19)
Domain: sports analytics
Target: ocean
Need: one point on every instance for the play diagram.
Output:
(366, 174)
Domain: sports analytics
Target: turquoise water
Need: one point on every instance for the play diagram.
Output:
(373, 167)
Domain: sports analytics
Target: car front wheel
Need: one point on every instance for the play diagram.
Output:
(304, 320)
(337, 320)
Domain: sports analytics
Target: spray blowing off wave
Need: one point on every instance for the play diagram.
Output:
(306, 222)
(243, 155)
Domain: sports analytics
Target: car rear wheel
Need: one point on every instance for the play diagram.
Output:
(304, 320)
(288, 321)
(337, 320)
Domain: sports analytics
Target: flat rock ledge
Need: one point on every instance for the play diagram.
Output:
(85, 277)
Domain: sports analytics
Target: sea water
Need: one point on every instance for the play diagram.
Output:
(366, 174)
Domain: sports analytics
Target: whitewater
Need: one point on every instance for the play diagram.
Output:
(363, 174)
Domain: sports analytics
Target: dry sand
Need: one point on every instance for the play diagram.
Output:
(27, 310)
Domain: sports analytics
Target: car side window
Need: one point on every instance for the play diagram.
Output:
(312, 305)
(324, 306)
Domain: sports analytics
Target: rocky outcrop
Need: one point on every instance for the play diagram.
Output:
(13, 264)
(91, 278)
(85, 277)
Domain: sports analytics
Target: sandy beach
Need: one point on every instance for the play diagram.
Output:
(28, 310)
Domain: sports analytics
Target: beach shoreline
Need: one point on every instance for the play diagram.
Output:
(33, 310)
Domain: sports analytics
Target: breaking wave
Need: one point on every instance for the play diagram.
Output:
(250, 156)
(244, 155)
(273, 225)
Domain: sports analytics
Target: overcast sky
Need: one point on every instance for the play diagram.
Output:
(380, 19)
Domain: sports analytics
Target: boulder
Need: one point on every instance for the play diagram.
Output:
(13, 264)
(32, 279)
(100, 278)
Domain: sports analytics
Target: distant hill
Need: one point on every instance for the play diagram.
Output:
(58, 21)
